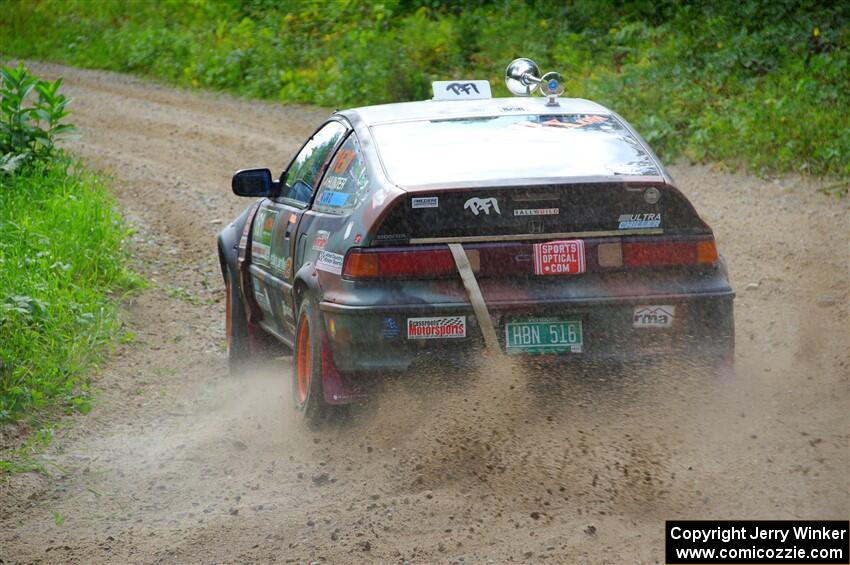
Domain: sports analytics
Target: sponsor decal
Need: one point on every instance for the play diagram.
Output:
(537, 212)
(335, 183)
(391, 236)
(343, 160)
(477, 205)
(559, 257)
(260, 251)
(434, 328)
(358, 238)
(334, 199)
(461, 89)
(330, 262)
(321, 240)
(391, 328)
(653, 316)
(426, 202)
(639, 221)
(281, 264)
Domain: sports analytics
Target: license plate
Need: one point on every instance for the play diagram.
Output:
(559, 257)
(543, 336)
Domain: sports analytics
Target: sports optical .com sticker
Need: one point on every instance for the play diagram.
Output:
(429, 202)
(330, 262)
(559, 257)
(639, 221)
(434, 328)
(653, 316)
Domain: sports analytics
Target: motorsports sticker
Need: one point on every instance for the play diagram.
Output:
(804, 542)
(428, 202)
(330, 262)
(433, 328)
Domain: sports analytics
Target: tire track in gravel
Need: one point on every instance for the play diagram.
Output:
(179, 463)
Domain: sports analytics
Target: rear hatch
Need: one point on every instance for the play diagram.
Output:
(539, 213)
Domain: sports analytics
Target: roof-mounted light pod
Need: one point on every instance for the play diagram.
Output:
(522, 77)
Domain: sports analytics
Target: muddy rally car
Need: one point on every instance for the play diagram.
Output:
(530, 226)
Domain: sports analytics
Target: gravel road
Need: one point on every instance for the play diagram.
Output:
(179, 463)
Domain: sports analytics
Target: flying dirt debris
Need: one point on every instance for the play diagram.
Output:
(181, 463)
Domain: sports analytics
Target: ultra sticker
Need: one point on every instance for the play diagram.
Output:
(537, 212)
(334, 199)
(427, 202)
(639, 221)
(436, 328)
(321, 240)
(478, 205)
(329, 262)
(653, 316)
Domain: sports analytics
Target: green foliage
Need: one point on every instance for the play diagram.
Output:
(61, 257)
(29, 128)
(762, 83)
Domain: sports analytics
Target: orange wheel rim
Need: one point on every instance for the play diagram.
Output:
(302, 366)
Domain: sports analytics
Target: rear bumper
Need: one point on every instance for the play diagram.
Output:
(373, 338)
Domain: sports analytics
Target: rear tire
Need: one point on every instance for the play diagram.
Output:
(307, 393)
(236, 324)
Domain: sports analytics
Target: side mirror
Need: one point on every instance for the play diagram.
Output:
(521, 77)
(254, 182)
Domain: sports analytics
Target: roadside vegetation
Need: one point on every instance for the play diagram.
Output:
(759, 83)
(62, 255)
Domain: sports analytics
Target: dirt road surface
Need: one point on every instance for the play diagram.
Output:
(179, 463)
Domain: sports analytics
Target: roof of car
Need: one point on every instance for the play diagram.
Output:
(449, 109)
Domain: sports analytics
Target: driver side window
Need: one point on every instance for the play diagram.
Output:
(305, 168)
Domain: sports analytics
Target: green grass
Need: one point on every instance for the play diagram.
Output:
(62, 257)
(759, 83)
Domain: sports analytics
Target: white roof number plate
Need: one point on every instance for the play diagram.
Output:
(461, 90)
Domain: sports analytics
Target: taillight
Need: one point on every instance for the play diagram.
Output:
(369, 264)
(669, 253)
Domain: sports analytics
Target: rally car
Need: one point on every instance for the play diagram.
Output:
(402, 233)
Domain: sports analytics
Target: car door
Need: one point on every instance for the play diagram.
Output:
(276, 226)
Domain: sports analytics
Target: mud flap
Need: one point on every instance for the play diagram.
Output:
(476, 299)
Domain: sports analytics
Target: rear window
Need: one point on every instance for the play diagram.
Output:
(509, 147)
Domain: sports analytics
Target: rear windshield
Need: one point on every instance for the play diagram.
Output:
(509, 147)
